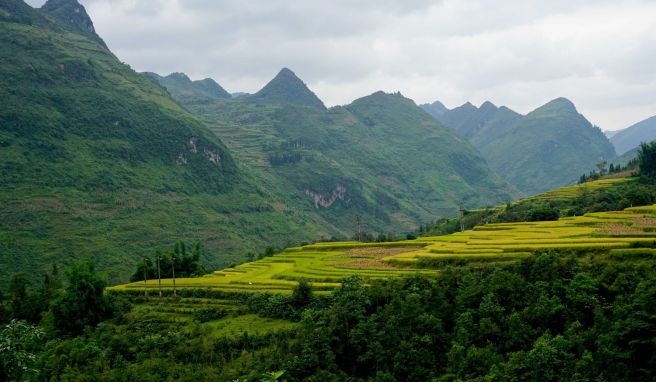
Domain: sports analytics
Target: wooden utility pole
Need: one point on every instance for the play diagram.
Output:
(159, 277)
(358, 226)
(145, 279)
(462, 217)
(173, 271)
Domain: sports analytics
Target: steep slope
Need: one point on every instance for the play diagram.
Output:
(73, 15)
(548, 148)
(98, 161)
(632, 136)
(285, 89)
(179, 85)
(381, 157)
(545, 149)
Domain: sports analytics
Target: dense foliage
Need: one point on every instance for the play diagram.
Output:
(546, 318)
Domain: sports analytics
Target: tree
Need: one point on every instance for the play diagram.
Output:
(601, 166)
(83, 302)
(302, 294)
(18, 344)
(647, 159)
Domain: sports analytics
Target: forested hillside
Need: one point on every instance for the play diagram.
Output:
(381, 157)
(98, 161)
(547, 148)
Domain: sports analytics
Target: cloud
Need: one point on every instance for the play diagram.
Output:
(515, 53)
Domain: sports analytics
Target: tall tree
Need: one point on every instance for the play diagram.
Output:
(83, 302)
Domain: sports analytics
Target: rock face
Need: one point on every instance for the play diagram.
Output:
(72, 14)
(285, 89)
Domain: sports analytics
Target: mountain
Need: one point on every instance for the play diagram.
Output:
(361, 159)
(72, 14)
(285, 89)
(98, 161)
(436, 109)
(179, 85)
(632, 136)
(547, 148)
(611, 133)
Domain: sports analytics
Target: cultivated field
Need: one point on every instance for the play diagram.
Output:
(580, 189)
(621, 235)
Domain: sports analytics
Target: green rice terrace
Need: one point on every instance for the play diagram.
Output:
(576, 190)
(621, 235)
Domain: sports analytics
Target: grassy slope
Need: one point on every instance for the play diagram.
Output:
(92, 162)
(398, 166)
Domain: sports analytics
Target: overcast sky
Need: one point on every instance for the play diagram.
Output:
(599, 54)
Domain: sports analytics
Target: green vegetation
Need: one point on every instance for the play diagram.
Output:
(547, 317)
(536, 152)
(97, 161)
(179, 85)
(327, 264)
(362, 159)
(285, 89)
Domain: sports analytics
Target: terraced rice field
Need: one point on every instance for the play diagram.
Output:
(579, 189)
(627, 233)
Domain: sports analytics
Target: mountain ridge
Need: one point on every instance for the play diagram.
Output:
(499, 133)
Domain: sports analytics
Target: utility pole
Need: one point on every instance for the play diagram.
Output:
(159, 276)
(358, 226)
(145, 279)
(462, 217)
(173, 271)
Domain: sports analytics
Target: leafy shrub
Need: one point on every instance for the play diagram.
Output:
(209, 313)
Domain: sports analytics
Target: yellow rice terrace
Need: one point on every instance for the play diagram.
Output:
(622, 235)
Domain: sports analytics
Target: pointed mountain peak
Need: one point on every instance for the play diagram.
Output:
(439, 105)
(559, 104)
(436, 109)
(73, 15)
(178, 76)
(487, 105)
(286, 89)
(213, 88)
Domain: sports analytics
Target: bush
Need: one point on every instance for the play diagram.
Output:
(209, 313)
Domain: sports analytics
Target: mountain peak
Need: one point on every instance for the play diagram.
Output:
(286, 88)
(212, 87)
(72, 14)
(178, 76)
(181, 87)
(560, 103)
(487, 105)
(436, 109)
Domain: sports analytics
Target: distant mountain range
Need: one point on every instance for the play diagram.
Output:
(547, 148)
(363, 158)
(631, 137)
(99, 161)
